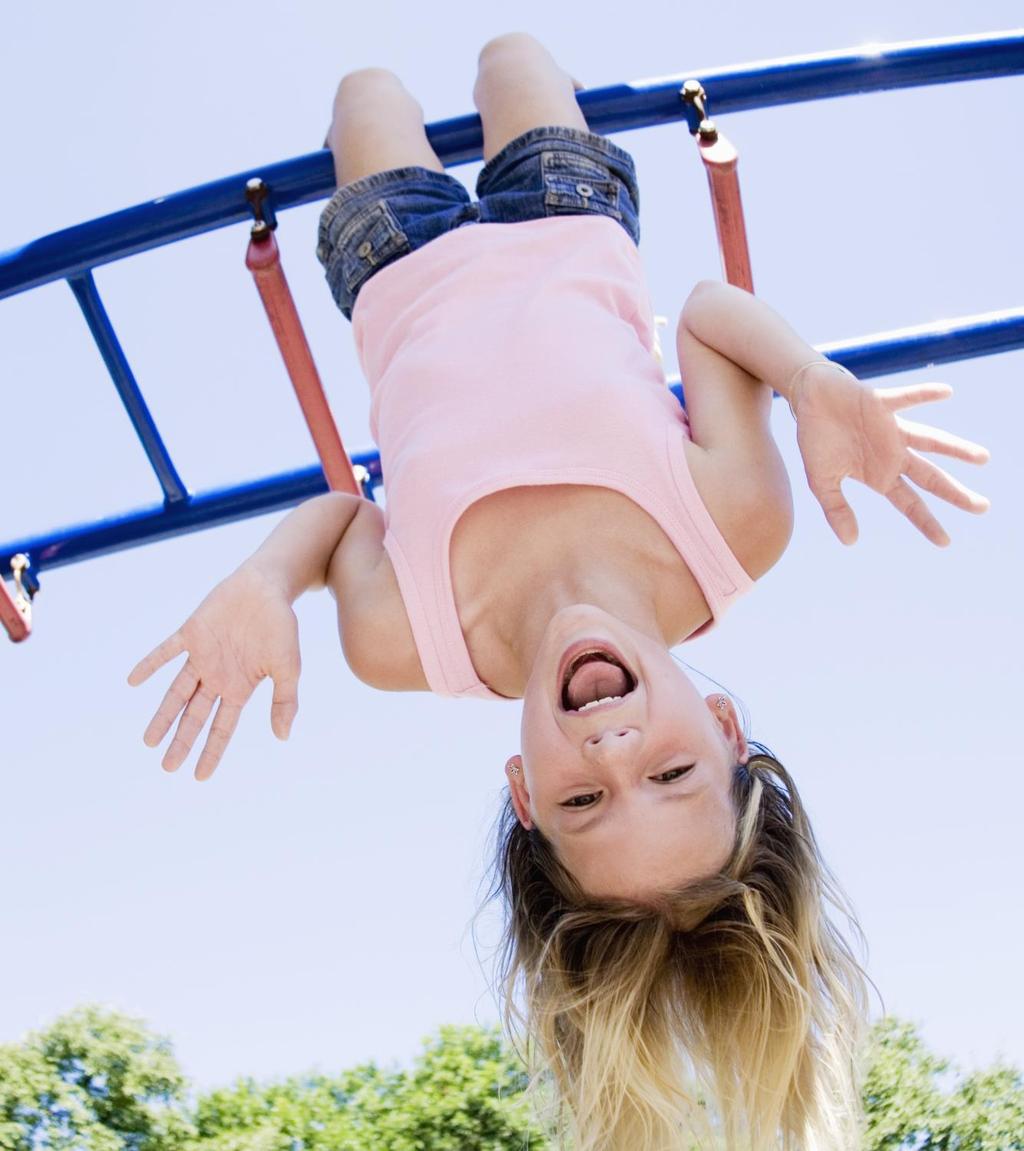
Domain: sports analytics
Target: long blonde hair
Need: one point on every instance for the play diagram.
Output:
(728, 1013)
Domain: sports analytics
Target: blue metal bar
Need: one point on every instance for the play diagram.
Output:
(161, 521)
(944, 342)
(877, 355)
(612, 109)
(869, 68)
(106, 339)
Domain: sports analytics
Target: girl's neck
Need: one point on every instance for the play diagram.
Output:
(519, 557)
(620, 594)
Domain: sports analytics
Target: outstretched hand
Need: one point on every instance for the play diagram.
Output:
(244, 631)
(845, 429)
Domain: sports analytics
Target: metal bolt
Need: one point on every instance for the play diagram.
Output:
(256, 193)
(707, 131)
(693, 90)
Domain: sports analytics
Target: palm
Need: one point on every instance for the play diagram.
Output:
(243, 632)
(846, 430)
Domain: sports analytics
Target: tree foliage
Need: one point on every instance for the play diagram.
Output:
(463, 1093)
(911, 1105)
(92, 1081)
(97, 1081)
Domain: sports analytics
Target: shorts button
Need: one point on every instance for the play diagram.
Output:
(584, 189)
(365, 248)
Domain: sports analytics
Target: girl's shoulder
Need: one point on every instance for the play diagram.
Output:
(749, 498)
(376, 636)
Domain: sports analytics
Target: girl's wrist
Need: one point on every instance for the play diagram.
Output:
(798, 382)
(272, 569)
(295, 557)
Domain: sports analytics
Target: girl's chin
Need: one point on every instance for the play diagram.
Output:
(579, 620)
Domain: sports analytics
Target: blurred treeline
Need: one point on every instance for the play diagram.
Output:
(97, 1081)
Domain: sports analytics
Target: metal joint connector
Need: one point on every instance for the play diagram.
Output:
(258, 195)
(25, 580)
(696, 100)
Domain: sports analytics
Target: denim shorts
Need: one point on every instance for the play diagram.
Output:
(555, 171)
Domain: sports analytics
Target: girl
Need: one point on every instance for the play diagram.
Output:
(555, 524)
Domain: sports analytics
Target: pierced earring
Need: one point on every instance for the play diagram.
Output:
(721, 703)
(513, 769)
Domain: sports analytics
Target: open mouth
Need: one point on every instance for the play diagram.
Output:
(594, 678)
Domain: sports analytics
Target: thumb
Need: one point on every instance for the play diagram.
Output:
(285, 705)
(838, 512)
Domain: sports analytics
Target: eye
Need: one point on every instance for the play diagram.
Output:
(583, 800)
(673, 773)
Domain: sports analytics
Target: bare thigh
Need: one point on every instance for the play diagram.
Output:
(520, 86)
(377, 126)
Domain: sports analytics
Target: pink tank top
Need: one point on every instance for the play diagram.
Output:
(509, 355)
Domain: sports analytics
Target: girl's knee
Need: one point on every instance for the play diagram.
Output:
(512, 61)
(363, 80)
(511, 41)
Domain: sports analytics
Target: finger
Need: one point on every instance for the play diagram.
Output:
(928, 439)
(224, 724)
(933, 479)
(177, 697)
(195, 715)
(285, 705)
(172, 646)
(903, 497)
(895, 399)
(837, 511)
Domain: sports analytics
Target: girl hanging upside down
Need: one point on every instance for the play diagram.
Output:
(555, 524)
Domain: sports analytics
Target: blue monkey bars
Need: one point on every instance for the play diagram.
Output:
(616, 108)
(72, 253)
(878, 356)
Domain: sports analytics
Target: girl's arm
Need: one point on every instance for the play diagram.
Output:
(733, 350)
(297, 554)
(245, 630)
(748, 333)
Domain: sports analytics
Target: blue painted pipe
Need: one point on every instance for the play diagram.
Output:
(207, 509)
(875, 356)
(88, 297)
(612, 109)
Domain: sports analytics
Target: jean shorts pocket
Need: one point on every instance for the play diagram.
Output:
(373, 238)
(575, 183)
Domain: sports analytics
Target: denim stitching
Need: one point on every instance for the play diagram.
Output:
(353, 205)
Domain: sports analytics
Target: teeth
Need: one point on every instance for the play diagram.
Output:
(595, 702)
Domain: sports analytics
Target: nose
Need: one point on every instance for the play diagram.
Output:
(611, 744)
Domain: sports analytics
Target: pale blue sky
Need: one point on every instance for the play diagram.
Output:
(311, 906)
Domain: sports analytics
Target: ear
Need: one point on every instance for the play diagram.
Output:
(517, 790)
(721, 707)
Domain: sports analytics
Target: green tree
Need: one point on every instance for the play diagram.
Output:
(92, 1081)
(463, 1093)
(911, 1106)
(97, 1081)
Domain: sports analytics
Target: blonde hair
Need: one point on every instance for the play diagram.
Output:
(729, 1013)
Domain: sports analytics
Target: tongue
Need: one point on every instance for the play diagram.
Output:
(594, 681)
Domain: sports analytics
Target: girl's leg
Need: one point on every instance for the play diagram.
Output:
(519, 86)
(377, 125)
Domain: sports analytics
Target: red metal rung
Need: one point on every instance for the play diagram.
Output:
(15, 614)
(720, 162)
(263, 259)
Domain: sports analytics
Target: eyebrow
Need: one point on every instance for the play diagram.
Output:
(596, 819)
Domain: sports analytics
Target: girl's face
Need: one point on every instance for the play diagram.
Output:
(632, 792)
